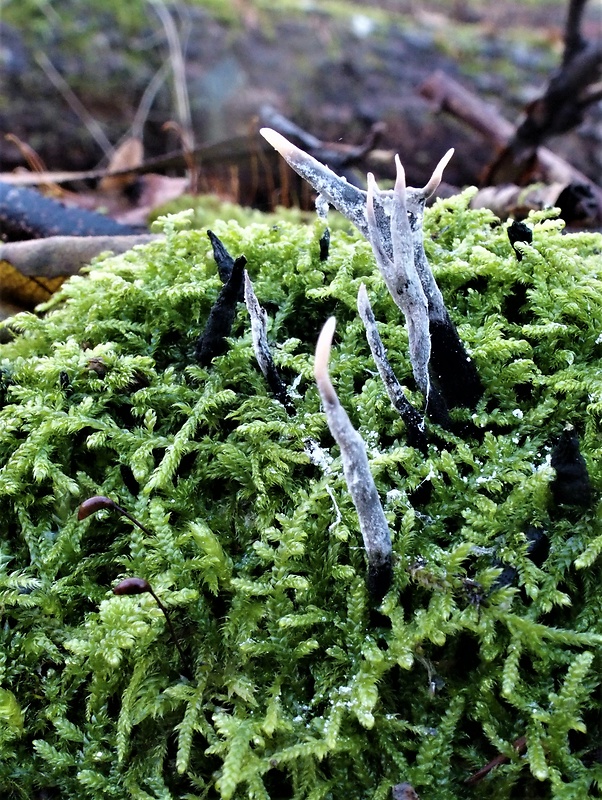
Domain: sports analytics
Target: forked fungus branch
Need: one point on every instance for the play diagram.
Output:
(392, 221)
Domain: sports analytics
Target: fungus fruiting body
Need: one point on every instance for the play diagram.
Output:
(301, 681)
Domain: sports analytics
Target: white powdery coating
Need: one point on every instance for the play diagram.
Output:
(400, 274)
(373, 525)
(392, 222)
(259, 326)
(347, 199)
(388, 377)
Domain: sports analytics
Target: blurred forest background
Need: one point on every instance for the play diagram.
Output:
(79, 79)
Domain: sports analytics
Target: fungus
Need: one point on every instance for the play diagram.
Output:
(262, 349)
(212, 341)
(411, 417)
(392, 222)
(373, 525)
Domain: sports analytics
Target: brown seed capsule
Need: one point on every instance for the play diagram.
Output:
(132, 586)
(97, 365)
(93, 504)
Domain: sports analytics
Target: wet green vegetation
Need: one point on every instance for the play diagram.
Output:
(297, 684)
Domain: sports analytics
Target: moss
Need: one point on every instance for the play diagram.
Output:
(300, 687)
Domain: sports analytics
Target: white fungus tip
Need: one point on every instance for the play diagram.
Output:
(362, 296)
(437, 175)
(400, 181)
(322, 356)
(278, 141)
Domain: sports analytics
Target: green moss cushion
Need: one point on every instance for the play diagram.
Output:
(296, 685)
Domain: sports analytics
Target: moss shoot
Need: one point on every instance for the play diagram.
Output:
(296, 683)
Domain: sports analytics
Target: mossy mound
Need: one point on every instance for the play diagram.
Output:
(296, 685)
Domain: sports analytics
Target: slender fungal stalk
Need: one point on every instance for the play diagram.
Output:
(373, 525)
(413, 420)
(259, 334)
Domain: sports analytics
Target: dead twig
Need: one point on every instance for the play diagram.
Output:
(60, 256)
(569, 92)
(452, 97)
(176, 57)
(74, 103)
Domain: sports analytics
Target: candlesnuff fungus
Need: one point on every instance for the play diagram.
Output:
(222, 257)
(212, 341)
(413, 421)
(401, 277)
(373, 525)
(392, 222)
(259, 322)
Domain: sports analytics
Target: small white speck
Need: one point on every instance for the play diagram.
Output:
(322, 207)
(362, 26)
(517, 413)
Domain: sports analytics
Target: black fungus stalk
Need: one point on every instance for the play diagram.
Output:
(222, 257)
(373, 524)
(571, 486)
(519, 232)
(212, 341)
(325, 245)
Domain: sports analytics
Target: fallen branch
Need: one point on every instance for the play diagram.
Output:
(61, 256)
(575, 200)
(452, 97)
(228, 151)
(27, 214)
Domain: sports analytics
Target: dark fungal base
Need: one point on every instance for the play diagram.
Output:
(212, 342)
(453, 369)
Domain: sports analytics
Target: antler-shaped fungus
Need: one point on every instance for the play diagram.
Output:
(392, 222)
(373, 525)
